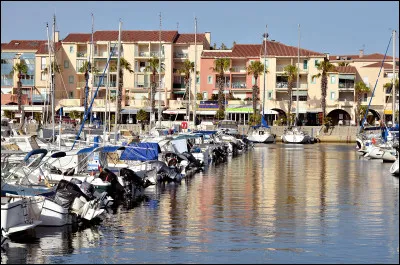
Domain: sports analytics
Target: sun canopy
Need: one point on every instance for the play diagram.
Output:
(141, 152)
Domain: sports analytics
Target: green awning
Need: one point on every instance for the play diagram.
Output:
(179, 92)
(347, 77)
(300, 93)
(239, 110)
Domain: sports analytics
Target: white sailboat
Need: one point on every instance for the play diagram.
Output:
(293, 134)
(262, 133)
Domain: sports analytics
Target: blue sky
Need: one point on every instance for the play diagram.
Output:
(336, 27)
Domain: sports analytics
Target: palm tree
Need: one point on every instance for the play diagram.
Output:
(55, 67)
(86, 68)
(153, 68)
(360, 89)
(186, 69)
(291, 72)
(220, 66)
(343, 64)
(255, 69)
(325, 67)
(21, 68)
(124, 65)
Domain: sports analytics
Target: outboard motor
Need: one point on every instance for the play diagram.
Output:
(135, 185)
(116, 191)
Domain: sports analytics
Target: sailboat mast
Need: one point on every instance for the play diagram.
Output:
(195, 72)
(394, 79)
(49, 69)
(159, 78)
(91, 67)
(118, 69)
(52, 77)
(298, 79)
(265, 66)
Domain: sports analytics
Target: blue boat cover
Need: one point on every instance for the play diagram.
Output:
(35, 152)
(111, 149)
(86, 150)
(141, 152)
(264, 122)
(206, 132)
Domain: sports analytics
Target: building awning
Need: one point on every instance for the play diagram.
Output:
(206, 112)
(178, 92)
(314, 110)
(300, 93)
(388, 112)
(240, 110)
(347, 77)
(269, 111)
(129, 111)
(175, 111)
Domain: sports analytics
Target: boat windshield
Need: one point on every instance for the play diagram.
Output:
(228, 124)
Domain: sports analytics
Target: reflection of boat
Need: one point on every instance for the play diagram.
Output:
(394, 169)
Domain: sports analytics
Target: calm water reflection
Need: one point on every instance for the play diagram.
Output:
(276, 204)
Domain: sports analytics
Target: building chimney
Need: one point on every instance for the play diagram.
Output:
(327, 55)
(361, 53)
(208, 36)
(56, 36)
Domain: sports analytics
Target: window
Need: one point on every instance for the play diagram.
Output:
(253, 80)
(365, 80)
(43, 59)
(313, 80)
(71, 79)
(305, 64)
(71, 94)
(209, 80)
(269, 94)
(66, 64)
(315, 63)
(71, 49)
(197, 80)
(205, 95)
(365, 97)
(43, 76)
(333, 95)
(301, 98)
(333, 79)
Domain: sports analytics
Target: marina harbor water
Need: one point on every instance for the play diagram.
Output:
(276, 203)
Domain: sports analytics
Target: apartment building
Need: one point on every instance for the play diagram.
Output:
(137, 47)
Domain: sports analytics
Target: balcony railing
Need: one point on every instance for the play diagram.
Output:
(81, 54)
(346, 85)
(142, 54)
(101, 54)
(281, 84)
(181, 55)
(238, 69)
(226, 85)
(7, 82)
(179, 85)
(280, 68)
(29, 82)
(239, 85)
(142, 84)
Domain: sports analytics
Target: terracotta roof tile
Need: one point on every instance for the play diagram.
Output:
(379, 64)
(278, 49)
(346, 69)
(44, 50)
(246, 50)
(372, 57)
(218, 54)
(77, 37)
(189, 38)
(135, 35)
(23, 45)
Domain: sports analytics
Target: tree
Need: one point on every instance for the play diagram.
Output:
(360, 89)
(291, 72)
(233, 44)
(87, 68)
(343, 64)
(325, 67)
(142, 116)
(21, 68)
(221, 65)
(199, 96)
(153, 68)
(186, 69)
(214, 46)
(9, 114)
(223, 47)
(255, 69)
(124, 65)
(54, 67)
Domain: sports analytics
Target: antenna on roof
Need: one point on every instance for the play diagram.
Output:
(177, 26)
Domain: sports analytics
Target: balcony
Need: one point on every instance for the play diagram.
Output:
(142, 84)
(104, 84)
(281, 84)
(81, 55)
(29, 82)
(346, 86)
(226, 85)
(239, 85)
(7, 82)
(280, 68)
(301, 68)
(74, 102)
(142, 54)
(179, 85)
(40, 98)
(101, 54)
(238, 69)
(7, 99)
(284, 85)
(181, 55)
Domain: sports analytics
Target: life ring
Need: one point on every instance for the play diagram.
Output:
(184, 125)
